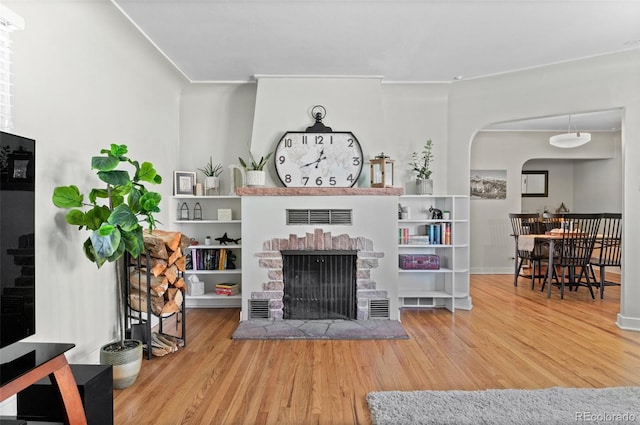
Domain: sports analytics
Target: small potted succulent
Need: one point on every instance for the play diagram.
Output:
(211, 179)
(420, 164)
(255, 174)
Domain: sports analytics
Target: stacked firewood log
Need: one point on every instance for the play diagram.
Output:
(167, 259)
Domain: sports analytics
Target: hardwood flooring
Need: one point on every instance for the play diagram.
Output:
(512, 338)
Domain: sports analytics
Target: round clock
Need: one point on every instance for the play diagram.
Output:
(318, 157)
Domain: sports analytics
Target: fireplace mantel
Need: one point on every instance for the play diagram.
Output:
(319, 191)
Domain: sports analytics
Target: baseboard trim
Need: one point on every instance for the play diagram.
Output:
(628, 323)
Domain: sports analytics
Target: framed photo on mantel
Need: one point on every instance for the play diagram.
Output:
(184, 182)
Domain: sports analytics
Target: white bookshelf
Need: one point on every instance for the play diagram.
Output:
(210, 226)
(447, 286)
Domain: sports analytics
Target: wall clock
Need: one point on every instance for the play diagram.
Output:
(319, 156)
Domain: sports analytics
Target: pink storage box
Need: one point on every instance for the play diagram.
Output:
(419, 262)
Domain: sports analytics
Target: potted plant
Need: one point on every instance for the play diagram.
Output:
(112, 216)
(255, 174)
(420, 164)
(211, 180)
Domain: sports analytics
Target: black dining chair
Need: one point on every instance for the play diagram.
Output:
(573, 249)
(522, 224)
(608, 249)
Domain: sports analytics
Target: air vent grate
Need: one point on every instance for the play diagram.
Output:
(258, 309)
(379, 308)
(319, 216)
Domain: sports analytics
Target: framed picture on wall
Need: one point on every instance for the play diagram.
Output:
(488, 184)
(184, 182)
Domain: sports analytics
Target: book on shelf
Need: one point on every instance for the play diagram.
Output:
(227, 289)
(211, 259)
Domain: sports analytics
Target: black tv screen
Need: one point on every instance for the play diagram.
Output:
(17, 247)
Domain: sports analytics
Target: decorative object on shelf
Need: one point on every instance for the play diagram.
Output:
(195, 286)
(207, 240)
(115, 229)
(435, 213)
(237, 178)
(184, 182)
(211, 180)
(421, 163)
(199, 189)
(569, 139)
(197, 211)
(381, 171)
(419, 262)
(254, 174)
(224, 239)
(184, 211)
(562, 209)
(319, 156)
(403, 212)
(446, 215)
(225, 214)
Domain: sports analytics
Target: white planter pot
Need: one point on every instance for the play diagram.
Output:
(211, 185)
(256, 178)
(424, 186)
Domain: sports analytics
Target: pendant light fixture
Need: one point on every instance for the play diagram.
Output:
(569, 139)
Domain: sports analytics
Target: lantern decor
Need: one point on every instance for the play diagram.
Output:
(197, 212)
(381, 172)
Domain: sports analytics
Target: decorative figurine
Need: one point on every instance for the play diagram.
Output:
(224, 239)
(436, 214)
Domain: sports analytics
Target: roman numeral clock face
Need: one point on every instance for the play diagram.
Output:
(331, 159)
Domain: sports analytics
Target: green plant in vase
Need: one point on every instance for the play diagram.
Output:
(420, 164)
(112, 216)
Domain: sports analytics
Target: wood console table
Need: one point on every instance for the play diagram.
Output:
(22, 364)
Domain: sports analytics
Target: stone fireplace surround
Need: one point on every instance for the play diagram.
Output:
(373, 235)
(270, 259)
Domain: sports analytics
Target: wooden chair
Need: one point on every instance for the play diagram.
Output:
(572, 253)
(608, 249)
(523, 224)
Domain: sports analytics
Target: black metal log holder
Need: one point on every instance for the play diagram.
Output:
(141, 330)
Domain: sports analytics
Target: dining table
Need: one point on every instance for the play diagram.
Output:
(526, 242)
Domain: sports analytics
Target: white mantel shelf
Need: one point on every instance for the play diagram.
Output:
(319, 191)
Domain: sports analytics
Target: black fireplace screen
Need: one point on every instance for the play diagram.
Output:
(319, 284)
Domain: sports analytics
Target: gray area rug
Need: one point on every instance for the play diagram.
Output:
(319, 329)
(619, 405)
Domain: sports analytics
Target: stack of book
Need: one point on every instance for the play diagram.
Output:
(227, 289)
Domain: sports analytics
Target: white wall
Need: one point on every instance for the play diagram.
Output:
(215, 121)
(600, 83)
(85, 78)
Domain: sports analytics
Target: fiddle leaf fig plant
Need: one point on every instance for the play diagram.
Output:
(113, 213)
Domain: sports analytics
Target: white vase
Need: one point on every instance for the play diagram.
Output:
(256, 178)
(424, 186)
(211, 185)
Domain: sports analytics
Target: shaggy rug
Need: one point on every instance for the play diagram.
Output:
(619, 405)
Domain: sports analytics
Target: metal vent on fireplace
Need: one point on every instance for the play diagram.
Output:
(258, 309)
(320, 216)
(379, 308)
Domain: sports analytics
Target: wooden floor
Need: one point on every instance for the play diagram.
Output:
(512, 338)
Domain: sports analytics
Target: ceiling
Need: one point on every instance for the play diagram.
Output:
(397, 40)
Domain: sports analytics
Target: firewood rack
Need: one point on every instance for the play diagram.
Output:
(139, 323)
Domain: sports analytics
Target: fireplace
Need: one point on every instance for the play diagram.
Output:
(319, 284)
(268, 230)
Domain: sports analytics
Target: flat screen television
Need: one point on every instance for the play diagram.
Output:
(17, 237)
